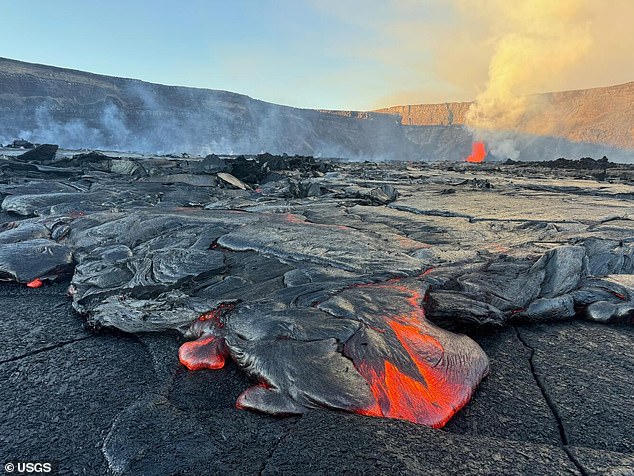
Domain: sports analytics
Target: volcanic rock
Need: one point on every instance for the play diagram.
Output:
(20, 144)
(25, 261)
(325, 299)
(233, 181)
(86, 111)
(42, 153)
(325, 302)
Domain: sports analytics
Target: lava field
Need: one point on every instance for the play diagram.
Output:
(494, 301)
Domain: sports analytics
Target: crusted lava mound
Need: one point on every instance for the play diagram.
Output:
(317, 278)
(367, 349)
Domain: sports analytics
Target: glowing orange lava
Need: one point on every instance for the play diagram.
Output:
(425, 393)
(478, 153)
(414, 370)
(36, 283)
(215, 314)
(208, 352)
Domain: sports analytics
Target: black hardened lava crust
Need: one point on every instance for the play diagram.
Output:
(80, 391)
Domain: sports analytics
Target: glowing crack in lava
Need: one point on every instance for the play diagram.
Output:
(478, 153)
(367, 350)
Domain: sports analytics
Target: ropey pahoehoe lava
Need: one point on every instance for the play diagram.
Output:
(323, 280)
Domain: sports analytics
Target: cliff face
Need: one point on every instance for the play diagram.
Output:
(446, 114)
(598, 115)
(454, 143)
(82, 110)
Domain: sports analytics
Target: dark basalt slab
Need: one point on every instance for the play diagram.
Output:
(508, 403)
(25, 261)
(590, 388)
(65, 400)
(402, 448)
(600, 463)
(36, 318)
(41, 153)
(219, 441)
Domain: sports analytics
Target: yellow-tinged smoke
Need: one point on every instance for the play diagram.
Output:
(535, 41)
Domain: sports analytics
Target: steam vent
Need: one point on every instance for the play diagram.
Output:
(181, 301)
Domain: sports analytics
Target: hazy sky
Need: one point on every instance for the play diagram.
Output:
(344, 54)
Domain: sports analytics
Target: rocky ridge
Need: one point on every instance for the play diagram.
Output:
(82, 110)
(597, 115)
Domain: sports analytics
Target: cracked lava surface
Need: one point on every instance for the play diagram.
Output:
(330, 284)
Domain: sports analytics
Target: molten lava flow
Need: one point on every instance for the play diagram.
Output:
(478, 153)
(414, 377)
(36, 283)
(406, 368)
(208, 352)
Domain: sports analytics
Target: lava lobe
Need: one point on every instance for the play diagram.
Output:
(402, 366)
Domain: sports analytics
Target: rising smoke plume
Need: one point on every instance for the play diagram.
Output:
(535, 41)
(541, 39)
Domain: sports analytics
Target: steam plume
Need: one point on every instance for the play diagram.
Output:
(536, 41)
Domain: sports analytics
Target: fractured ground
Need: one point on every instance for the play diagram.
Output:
(108, 403)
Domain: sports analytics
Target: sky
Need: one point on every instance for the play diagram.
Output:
(332, 54)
